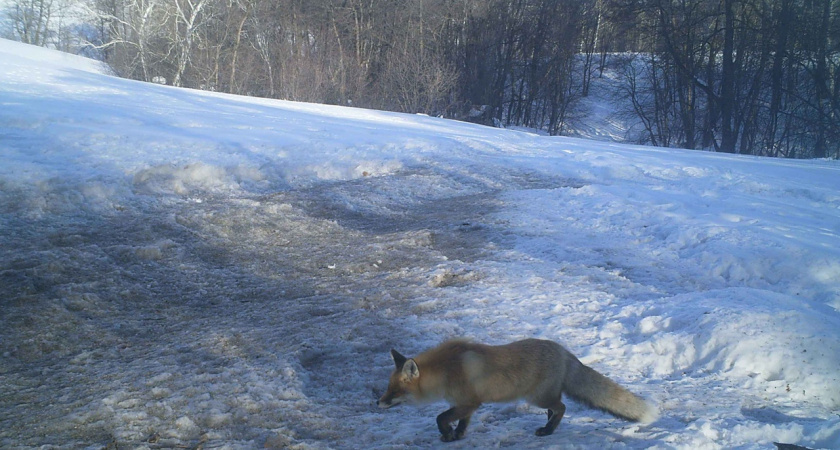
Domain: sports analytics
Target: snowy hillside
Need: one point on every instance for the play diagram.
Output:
(183, 268)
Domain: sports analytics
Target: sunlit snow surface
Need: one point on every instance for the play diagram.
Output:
(182, 268)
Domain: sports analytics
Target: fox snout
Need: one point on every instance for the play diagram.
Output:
(384, 402)
(388, 400)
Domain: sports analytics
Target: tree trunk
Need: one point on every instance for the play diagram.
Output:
(729, 136)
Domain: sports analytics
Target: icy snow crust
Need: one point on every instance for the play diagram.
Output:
(184, 268)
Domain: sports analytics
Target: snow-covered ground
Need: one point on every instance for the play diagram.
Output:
(183, 268)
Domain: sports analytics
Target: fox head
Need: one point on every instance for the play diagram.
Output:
(403, 382)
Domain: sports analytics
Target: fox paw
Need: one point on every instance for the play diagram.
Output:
(544, 431)
(452, 436)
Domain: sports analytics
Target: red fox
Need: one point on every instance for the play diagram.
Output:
(467, 374)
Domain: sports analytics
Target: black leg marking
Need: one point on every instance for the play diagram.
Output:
(461, 429)
(554, 417)
(460, 413)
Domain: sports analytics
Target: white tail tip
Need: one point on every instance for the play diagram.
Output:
(650, 415)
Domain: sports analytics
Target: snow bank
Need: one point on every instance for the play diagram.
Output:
(769, 343)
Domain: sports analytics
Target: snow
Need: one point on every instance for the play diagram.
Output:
(184, 268)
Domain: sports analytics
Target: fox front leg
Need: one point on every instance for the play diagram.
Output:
(460, 413)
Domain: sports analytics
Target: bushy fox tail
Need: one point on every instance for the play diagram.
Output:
(589, 387)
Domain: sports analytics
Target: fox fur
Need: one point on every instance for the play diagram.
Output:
(467, 374)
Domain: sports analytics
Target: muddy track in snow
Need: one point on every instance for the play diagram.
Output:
(272, 314)
(272, 301)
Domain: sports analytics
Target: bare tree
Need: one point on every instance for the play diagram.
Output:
(743, 76)
(132, 36)
(30, 21)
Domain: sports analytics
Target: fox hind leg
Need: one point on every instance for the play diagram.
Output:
(460, 413)
(461, 429)
(555, 414)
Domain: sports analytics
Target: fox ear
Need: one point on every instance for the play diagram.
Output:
(410, 369)
(399, 360)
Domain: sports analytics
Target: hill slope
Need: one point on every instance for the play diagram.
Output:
(182, 267)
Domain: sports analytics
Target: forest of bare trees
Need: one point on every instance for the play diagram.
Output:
(757, 77)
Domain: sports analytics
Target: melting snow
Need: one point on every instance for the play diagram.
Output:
(182, 268)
